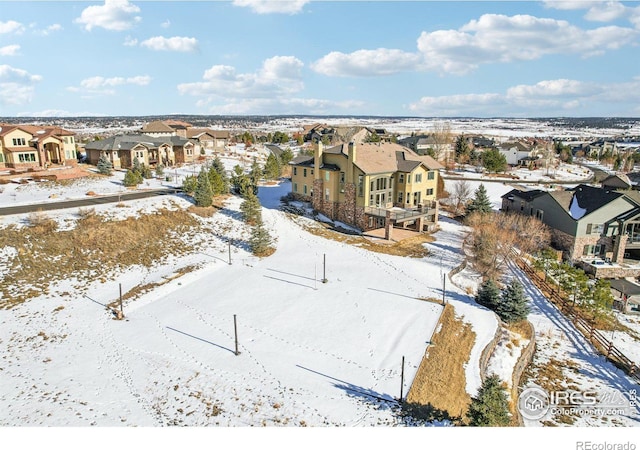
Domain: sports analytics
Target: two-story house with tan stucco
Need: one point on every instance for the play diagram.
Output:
(370, 185)
(30, 146)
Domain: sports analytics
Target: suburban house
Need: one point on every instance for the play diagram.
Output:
(30, 146)
(163, 128)
(422, 144)
(517, 153)
(596, 227)
(122, 150)
(208, 139)
(370, 185)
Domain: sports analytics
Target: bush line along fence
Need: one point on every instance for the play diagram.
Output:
(584, 325)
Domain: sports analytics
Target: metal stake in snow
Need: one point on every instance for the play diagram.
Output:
(402, 380)
(444, 288)
(235, 330)
(315, 276)
(324, 268)
(120, 285)
(229, 251)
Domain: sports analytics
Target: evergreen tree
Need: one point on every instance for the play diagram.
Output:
(489, 295)
(462, 149)
(132, 178)
(242, 183)
(260, 240)
(490, 407)
(599, 299)
(480, 203)
(286, 156)
(203, 194)
(251, 209)
(136, 167)
(513, 307)
(255, 174)
(222, 182)
(272, 167)
(494, 161)
(189, 184)
(104, 165)
(160, 170)
(145, 172)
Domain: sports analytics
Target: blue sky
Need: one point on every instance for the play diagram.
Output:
(383, 58)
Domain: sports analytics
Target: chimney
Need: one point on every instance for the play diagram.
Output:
(317, 161)
(351, 161)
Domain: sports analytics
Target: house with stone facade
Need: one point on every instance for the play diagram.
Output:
(595, 227)
(370, 185)
(123, 149)
(31, 146)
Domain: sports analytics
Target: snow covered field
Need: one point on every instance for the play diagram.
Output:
(310, 353)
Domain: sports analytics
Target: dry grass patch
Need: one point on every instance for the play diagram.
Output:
(94, 248)
(440, 380)
(412, 247)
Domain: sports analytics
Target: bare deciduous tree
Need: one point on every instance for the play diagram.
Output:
(462, 192)
(494, 237)
(442, 139)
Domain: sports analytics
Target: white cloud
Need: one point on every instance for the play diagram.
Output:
(173, 44)
(497, 38)
(600, 10)
(16, 85)
(130, 42)
(57, 113)
(104, 86)
(548, 98)
(280, 75)
(11, 26)
(51, 29)
(364, 63)
(166, 24)
(273, 6)
(9, 50)
(114, 15)
(493, 38)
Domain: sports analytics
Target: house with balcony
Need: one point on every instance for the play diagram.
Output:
(370, 185)
(597, 228)
(31, 146)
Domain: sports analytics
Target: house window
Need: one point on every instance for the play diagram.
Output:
(418, 178)
(295, 187)
(595, 228)
(591, 250)
(430, 191)
(400, 197)
(539, 214)
(401, 178)
(326, 194)
(327, 175)
(1, 157)
(371, 199)
(409, 178)
(304, 189)
(360, 185)
(26, 157)
(295, 171)
(304, 172)
(431, 175)
(19, 141)
(371, 186)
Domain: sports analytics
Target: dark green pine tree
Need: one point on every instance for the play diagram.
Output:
(489, 295)
(132, 178)
(260, 240)
(218, 166)
(104, 165)
(480, 202)
(272, 167)
(490, 407)
(251, 209)
(514, 306)
(203, 194)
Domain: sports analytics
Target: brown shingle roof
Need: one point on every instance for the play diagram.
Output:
(389, 157)
(157, 127)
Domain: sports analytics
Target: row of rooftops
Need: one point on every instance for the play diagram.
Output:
(173, 126)
(129, 141)
(372, 158)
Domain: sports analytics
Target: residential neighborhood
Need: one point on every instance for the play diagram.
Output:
(399, 230)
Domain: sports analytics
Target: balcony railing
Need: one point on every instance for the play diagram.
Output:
(400, 214)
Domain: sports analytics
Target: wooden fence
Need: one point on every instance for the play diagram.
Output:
(583, 324)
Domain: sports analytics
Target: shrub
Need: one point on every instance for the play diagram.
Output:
(490, 407)
(132, 178)
(104, 165)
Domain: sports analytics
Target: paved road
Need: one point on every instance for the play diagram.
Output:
(89, 201)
